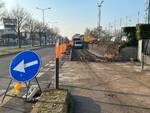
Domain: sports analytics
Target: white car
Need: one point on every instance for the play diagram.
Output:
(124, 38)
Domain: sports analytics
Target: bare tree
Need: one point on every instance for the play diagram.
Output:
(95, 33)
(53, 32)
(2, 8)
(39, 29)
(31, 27)
(45, 28)
(87, 32)
(90, 33)
(43, 31)
(21, 15)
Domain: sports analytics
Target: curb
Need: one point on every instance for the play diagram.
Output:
(44, 105)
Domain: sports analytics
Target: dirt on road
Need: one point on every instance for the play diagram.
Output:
(107, 87)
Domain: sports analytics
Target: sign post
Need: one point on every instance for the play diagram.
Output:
(24, 68)
(57, 55)
(57, 74)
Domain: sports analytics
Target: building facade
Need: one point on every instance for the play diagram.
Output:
(8, 31)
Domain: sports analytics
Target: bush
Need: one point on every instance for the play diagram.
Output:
(131, 34)
(143, 31)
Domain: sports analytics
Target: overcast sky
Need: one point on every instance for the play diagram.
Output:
(73, 16)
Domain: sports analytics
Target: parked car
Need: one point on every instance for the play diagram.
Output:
(78, 44)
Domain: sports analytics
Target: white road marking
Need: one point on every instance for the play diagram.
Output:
(47, 65)
(47, 69)
(52, 65)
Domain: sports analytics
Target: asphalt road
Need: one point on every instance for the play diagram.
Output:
(45, 54)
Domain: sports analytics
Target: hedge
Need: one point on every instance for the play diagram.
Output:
(129, 29)
(131, 33)
(143, 31)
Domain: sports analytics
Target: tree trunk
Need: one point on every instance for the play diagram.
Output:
(40, 40)
(32, 41)
(19, 40)
(45, 40)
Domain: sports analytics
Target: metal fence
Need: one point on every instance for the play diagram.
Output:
(146, 47)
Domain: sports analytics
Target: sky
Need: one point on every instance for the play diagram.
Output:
(74, 16)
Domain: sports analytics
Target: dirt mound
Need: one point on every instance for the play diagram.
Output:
(111, 52)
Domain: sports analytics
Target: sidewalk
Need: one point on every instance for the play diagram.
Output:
(77, 78)
(107, 87)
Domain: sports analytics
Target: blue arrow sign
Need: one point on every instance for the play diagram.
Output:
(25, 66)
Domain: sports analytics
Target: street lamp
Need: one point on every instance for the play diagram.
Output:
(43, 12)
(99, 16)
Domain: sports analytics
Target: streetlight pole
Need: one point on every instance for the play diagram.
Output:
(43, 12)
(43, 17)
(99, 16)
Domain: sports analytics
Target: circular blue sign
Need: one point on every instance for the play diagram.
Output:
(25, 66)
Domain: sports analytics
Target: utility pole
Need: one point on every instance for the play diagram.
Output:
(99, 16)
(126, 20)
(115, 27)
(120, 22)
(120, 27)
(149, 12)
(109, 26)
(43, 13)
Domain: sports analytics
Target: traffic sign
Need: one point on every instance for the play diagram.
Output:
(25, 66)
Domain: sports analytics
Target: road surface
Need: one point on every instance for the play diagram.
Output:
(45, 54)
